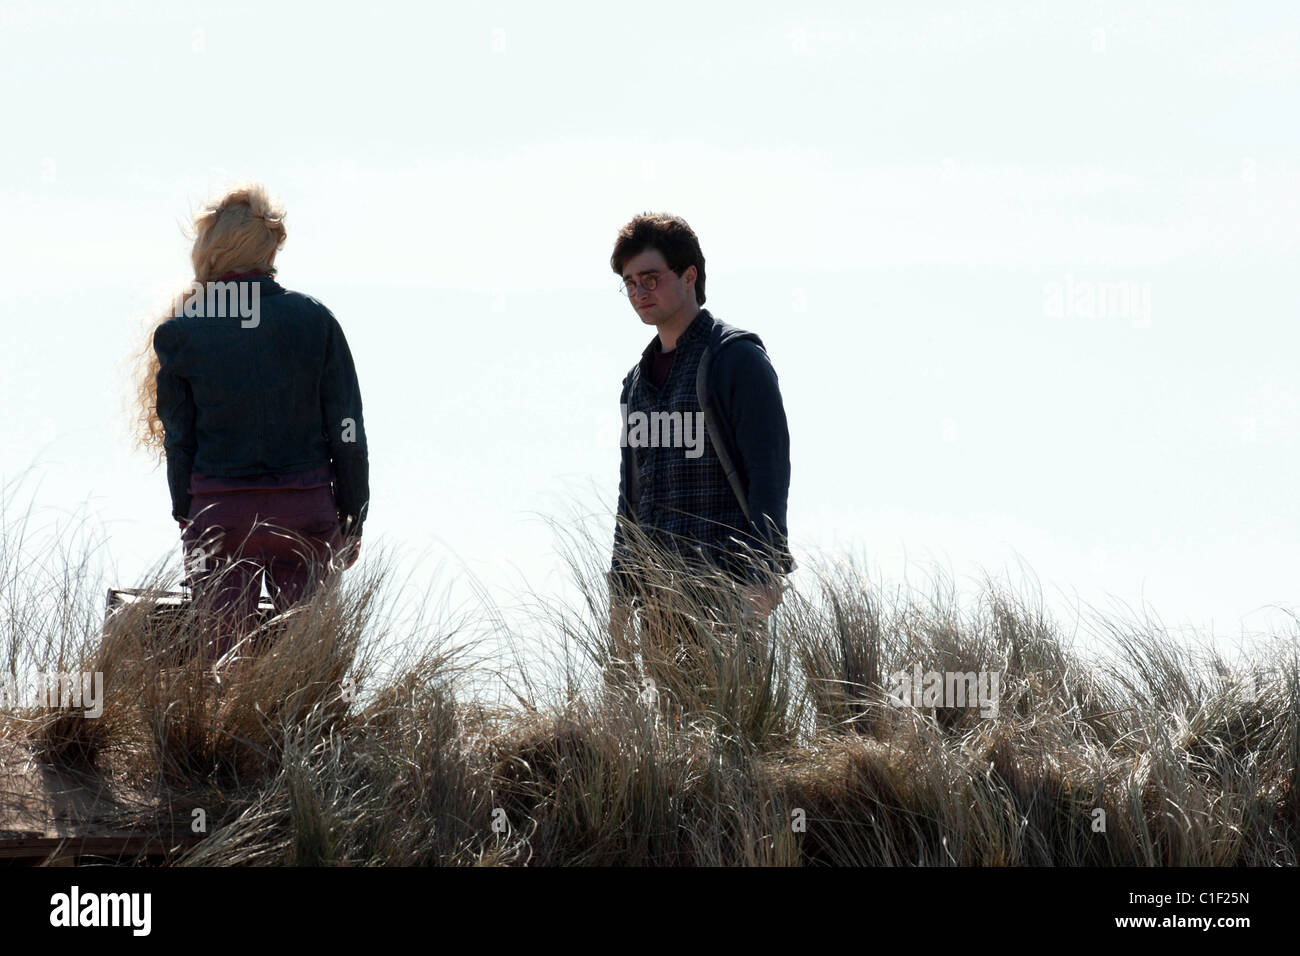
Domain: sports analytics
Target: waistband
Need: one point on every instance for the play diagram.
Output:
(318, 477)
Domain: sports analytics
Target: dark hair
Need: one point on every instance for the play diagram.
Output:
(668, 234)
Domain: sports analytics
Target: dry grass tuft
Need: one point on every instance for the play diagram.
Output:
(694, 735)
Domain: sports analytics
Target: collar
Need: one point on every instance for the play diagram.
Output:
(701, 325)
(237, 276)
(264, 279)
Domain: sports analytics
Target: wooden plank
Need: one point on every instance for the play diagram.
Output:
(53, 817)
(115, 846)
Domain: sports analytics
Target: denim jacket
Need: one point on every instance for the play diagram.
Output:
(268, 394)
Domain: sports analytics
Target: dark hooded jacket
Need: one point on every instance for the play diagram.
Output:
(680, 497)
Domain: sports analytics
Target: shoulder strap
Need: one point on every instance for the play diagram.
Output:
(705, 398)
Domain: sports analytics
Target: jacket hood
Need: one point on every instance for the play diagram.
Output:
(724, 335)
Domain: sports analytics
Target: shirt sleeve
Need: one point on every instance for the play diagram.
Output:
(762, 435)
(621, 580)
(345, 427)
(176, 411)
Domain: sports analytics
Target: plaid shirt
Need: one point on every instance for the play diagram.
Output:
(685, 504)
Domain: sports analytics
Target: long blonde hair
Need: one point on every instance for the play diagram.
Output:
(238, 231)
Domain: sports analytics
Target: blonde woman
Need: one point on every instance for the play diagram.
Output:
(250, 392)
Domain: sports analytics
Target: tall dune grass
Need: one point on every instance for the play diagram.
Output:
(744, 743)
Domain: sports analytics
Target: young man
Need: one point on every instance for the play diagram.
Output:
(707, 483)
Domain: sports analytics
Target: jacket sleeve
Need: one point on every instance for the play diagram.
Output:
(176, 411)
(345, 428)
(621, 579)
(752, 402)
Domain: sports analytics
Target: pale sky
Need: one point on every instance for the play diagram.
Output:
(913, 205)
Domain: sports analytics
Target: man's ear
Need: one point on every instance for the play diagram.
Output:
(690, 275)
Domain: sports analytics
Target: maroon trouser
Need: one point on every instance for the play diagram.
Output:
(235, 538)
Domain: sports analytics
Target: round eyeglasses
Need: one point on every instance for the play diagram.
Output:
(648, 281)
